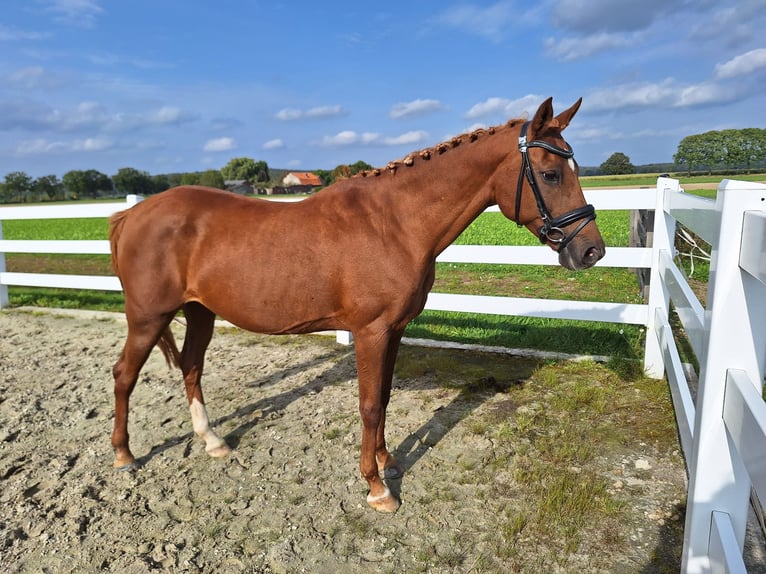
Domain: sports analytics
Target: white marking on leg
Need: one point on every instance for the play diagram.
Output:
(372, 499)
(201, 425)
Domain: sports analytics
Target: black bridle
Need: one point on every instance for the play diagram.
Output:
(552, 228)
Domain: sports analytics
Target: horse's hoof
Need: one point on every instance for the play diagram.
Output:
(386, 502)
(219, 451)
(126, 467)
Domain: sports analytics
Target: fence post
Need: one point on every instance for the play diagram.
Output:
(4, 301)
(734, 327)
(659, 298)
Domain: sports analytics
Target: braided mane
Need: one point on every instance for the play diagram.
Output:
(427, 153)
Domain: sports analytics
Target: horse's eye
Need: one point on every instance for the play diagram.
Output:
(550, 176)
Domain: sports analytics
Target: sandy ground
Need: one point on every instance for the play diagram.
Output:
(290, 498)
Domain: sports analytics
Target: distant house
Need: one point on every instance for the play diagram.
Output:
(300, 182)
(302, 178)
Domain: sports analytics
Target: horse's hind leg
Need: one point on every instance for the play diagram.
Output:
(199, 330)
(142, 336)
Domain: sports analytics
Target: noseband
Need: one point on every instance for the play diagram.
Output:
(552, 228)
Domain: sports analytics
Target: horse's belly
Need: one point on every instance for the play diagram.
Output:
(276, 314)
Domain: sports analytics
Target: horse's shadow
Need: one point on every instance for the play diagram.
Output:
(414, 446)
(343, 366)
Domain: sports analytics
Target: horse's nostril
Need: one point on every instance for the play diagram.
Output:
(592, 254)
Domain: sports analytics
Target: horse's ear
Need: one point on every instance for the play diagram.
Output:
(566, 116)
(543, 115)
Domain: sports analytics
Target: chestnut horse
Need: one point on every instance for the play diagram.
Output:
(358, 256)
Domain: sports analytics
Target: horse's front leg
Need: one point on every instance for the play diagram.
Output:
(371, 354)
(387, 464)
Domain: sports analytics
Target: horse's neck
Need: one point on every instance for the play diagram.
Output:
(445, 195)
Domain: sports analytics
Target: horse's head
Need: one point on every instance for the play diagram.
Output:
(546, 197)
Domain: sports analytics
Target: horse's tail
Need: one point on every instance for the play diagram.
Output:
(115, 230)
(167, 345)
(166, 342)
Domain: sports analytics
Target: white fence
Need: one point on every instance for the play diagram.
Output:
(722, 433)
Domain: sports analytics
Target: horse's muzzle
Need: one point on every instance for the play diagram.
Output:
(579, 255)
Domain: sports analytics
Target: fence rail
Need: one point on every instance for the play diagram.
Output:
(722, 430)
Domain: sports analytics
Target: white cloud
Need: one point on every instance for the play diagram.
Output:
(38, 146)
(344, 138)
(91, 144)
(219, 144)
(590, 16)
(82, 13)
(350, 137)
(577, 48)
(505, 107)
(325, 112)
(11, 34)
(742, 65)
(289, 114)
(417, 107)
(274, 144)
(35, 77)
(665, 94)
(492, 22)
(408, 138)
(292, 114)
(166, 115)
(42, 146)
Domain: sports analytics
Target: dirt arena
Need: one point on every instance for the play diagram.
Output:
(290, 498)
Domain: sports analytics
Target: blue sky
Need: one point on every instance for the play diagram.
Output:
(183, 85)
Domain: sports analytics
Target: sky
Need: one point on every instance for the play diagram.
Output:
(168, 86)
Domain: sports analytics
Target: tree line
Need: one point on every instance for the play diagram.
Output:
(724, 149)
(713, 150)
(19, 187)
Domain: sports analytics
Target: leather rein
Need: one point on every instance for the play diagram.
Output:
(552, 228)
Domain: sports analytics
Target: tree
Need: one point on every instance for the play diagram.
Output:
(689, 153)
(132, 181)
(754, 146)
(325, 176)
(190, 178)
(211, 178)
(246, 168)
(160, 183)
(18, 185)
(86, 183)
(359, 166)
(341, 171)
(617, 164)
(50, 186)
